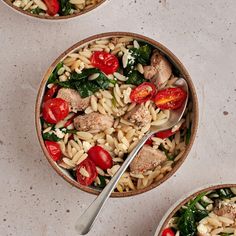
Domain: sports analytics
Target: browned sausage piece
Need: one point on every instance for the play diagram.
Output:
(93, 122)
(74, 99)
(147, 159)
(139, 115)
(226, 209)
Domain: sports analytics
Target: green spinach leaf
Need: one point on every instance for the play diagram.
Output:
(84, 86)
(84, 74)
(135, 78)
(144, 54)
(65, 7)
(54, 76)
(102, 180)
(200, 214)
(37, 10)
(51, 137)
(187, 221)
(225, 193)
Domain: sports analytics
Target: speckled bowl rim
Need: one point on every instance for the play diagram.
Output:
(52, 18)
(176, 62)
(183, 200)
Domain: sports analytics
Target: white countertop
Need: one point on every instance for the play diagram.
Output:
(34, 200)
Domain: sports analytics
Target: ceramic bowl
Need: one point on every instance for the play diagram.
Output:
(172, 211)
(52, 18)
(175, 62)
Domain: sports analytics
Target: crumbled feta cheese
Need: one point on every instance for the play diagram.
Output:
(127, 57)
(59, 133)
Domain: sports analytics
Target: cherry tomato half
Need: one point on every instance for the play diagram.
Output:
(88, 167)
(53, 7)
(143, 92)
(168, 232)
(104, 61)
(100, 157)
(54, 150)
(170, 98)
(54, 110)
(149, 142)
(50, 93)
(165, 134)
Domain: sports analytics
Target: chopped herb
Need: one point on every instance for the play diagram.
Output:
(114, 102)
(169, 157)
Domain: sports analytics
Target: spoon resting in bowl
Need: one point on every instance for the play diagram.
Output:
(87, 219)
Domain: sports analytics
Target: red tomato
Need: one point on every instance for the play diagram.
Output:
(149, 142)
(143, 92)
(100, 157)
(50, 93)
(54, 150)
(170, 98)
(165, 134)
(54, 110)
(90, 168)
(104, 61)
(168, 232)
(70, 121)
(53, 7)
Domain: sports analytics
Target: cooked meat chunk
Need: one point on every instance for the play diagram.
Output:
(139, 115)
(226, 209)
(147, 159)
(159, 71)
(93, 122)
(74, 99)
(149, 72)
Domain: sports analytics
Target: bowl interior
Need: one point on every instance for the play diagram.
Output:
(20, 10)
(177, 64)
(172, 211)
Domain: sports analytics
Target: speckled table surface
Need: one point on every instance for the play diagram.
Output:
(33, 199)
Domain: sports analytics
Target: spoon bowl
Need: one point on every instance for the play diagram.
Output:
(175, 115)
(88, 218)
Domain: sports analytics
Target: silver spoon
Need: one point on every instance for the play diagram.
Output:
(86, 220)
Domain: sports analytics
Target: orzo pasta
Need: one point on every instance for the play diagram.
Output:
(210, 213)
(99, 102)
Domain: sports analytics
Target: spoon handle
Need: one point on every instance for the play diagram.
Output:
(87, 219)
